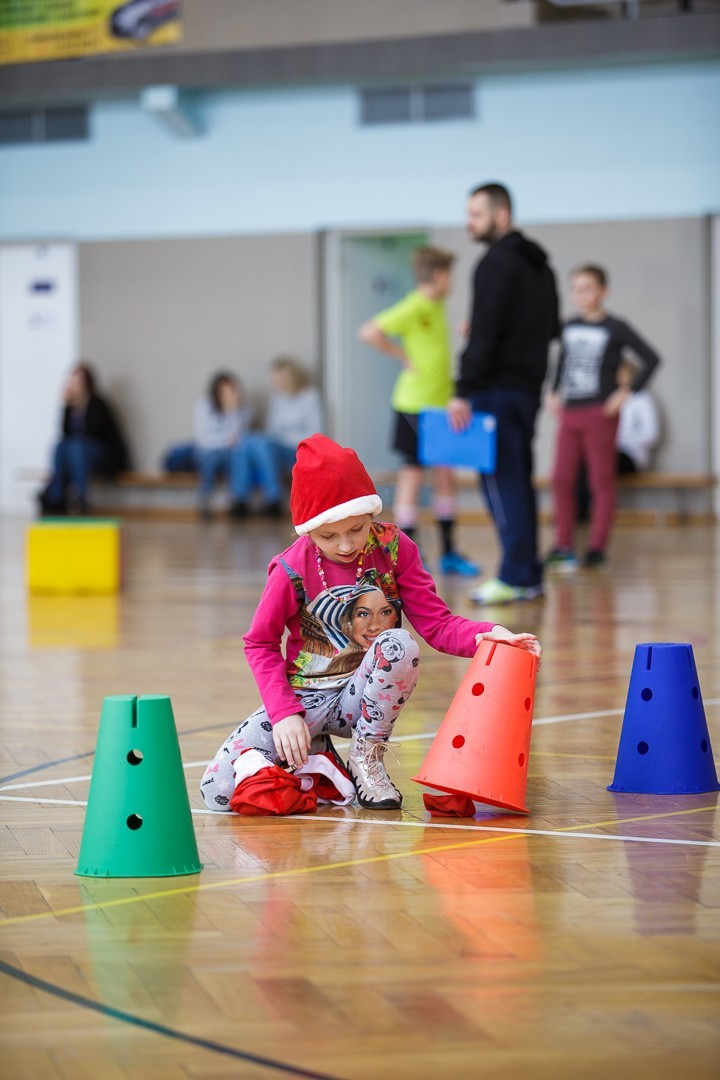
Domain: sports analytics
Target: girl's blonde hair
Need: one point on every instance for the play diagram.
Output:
(298, 377)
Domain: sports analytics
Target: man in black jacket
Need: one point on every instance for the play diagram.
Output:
(514, 318)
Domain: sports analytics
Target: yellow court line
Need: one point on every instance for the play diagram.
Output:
(298, 871)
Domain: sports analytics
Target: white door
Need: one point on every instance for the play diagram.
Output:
(38, 346)
(364, 273)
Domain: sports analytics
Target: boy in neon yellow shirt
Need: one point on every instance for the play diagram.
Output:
(419, 323)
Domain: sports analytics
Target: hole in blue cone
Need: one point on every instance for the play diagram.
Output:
(646, 694)
(642, 748)
(134, 821)
(695, 692)
(704, 746)
(478, 689)
(458, 741)
(135, 757)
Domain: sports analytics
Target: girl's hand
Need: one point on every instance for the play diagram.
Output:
(528, 642)
(292, 740)
(615, 402)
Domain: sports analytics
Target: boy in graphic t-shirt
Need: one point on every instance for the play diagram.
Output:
(415, 332)
(586, 398)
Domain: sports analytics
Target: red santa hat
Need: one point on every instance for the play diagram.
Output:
(263, 789)
(329, 483)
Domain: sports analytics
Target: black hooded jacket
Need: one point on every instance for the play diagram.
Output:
(514, 318)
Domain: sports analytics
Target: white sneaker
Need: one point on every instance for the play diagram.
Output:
(375, 791)
(496, 591)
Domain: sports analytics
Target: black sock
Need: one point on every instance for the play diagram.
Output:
(446, 526)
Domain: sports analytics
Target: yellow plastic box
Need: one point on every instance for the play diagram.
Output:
(67, 557)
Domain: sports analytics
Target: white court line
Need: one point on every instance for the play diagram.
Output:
(483, 828)
(42, 802)
(45, 783)
(418, 737)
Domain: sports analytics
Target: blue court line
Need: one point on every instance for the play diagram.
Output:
(45, 765)
(158, 1029)
(79, 757)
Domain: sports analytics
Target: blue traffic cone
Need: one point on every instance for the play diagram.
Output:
(664, 743)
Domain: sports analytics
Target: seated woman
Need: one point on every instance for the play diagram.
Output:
(222, 420)
(265, 458)
(91, 443)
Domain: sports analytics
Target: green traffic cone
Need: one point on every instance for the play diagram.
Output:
(138, 821)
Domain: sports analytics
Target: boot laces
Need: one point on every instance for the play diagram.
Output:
(371, 752)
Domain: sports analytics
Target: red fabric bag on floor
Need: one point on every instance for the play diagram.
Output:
(449, 805)
(263, 789)
(271, 790)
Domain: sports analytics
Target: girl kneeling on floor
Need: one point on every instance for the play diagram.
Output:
(347, 677)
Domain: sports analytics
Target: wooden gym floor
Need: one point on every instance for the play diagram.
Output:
(580, 941)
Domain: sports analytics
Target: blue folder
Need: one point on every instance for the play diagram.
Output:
(473, 448)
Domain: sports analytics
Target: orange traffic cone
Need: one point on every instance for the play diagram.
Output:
(482, 747)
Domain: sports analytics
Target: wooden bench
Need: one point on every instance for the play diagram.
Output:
(171, 480)
(679, 486)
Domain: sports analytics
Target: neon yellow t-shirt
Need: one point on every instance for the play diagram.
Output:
(422, 327)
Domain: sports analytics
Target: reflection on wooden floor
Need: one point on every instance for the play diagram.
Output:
(581, 941)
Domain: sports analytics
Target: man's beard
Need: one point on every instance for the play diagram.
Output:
(488, 237)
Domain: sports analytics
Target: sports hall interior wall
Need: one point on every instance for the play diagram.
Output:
(204, 253)
(159, 316)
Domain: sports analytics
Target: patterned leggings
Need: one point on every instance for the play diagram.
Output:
(370, 701)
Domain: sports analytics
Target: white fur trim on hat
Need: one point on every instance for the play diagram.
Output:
(248, 764)
(322, 764)
(364, 504)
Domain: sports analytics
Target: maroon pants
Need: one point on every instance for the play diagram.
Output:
(585, 434)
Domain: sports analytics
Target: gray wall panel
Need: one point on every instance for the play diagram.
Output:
(158, 317)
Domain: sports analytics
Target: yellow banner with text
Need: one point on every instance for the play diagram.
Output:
(33, 30)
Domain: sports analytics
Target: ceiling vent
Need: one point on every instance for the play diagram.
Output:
(417, 104)
(68, 124)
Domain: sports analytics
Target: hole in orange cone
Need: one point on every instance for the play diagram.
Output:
(458, 741)
(478, 689)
